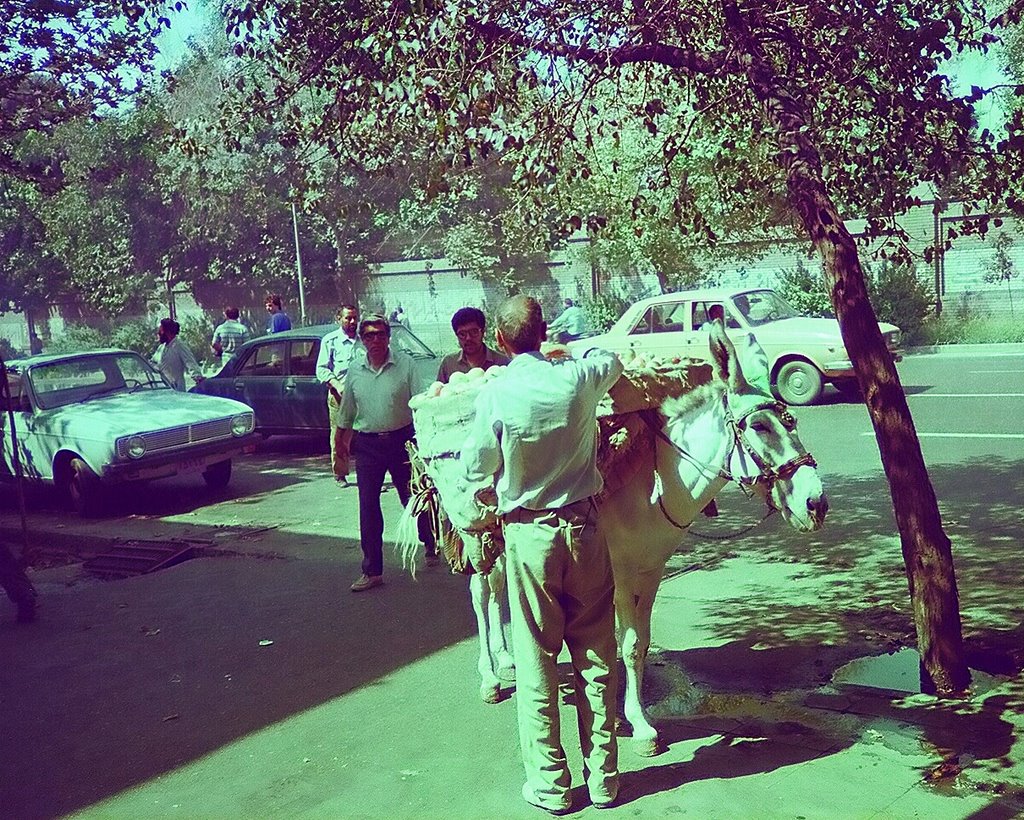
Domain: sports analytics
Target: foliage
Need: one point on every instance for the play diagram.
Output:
(196, 333)
(7, 350)
(603, 310)
(75, 338)
(136, 334)
(63, 61)
(900, 296)
(805, 289)
(1001, 267)
(950, 329)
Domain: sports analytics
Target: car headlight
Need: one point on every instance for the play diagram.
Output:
(136, 447)
(892, 339)
(241, 424)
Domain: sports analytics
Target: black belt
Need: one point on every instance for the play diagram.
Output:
(401, 432)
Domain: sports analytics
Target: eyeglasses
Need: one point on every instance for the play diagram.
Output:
(372, 334)
(469, 333)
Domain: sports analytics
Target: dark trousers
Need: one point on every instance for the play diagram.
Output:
(14, 581)
(377, 454)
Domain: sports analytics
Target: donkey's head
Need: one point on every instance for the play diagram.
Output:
(769, 456)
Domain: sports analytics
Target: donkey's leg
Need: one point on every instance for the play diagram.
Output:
(633, 610)
(498, 607)
(480, 594)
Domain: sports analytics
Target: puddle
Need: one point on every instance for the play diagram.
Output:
(898, 672)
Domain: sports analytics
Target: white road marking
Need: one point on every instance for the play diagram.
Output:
(963, 435)
(965, 395)
(995, 371)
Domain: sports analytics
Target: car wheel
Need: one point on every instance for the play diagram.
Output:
(798, 383)
(849, 389)
(83, 489)
(218, 475)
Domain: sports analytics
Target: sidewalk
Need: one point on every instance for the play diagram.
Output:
(253, 683)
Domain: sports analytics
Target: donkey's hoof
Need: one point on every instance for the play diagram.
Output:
(490, 694)
(507, 673)
(646, 746)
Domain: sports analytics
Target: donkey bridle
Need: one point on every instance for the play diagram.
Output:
(768, 474)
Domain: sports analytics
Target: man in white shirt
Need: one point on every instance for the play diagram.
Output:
(535, 430)
(376, 423)
(172, 356)
(332, 364)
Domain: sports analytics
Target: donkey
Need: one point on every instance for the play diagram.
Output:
(730, 429)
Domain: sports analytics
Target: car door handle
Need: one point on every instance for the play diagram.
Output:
(239, 384)
(289, 386)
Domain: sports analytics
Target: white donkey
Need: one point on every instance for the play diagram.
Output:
(729, 429)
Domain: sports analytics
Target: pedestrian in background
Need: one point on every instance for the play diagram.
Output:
(17, 585)
(279, 320)
(469, 324)
(336, 351)
(535, 431)
(172, 356)
(229, 335)
(570, 324)
(376, 423)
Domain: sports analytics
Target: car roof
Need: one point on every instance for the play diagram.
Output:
(697, 294)
(319, 331)
(17, 365)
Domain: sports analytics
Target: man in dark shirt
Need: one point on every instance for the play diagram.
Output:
(469, 324)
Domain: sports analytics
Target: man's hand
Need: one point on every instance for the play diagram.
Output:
(334, 391)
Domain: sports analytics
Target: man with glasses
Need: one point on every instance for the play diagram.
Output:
(469, 325)
(332, 364)
(376, 423)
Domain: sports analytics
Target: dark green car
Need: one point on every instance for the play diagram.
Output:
(276, 376)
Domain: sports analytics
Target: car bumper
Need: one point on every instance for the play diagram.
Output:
(843, 368)
(190, 460)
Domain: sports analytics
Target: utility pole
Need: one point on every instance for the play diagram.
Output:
(298, 266)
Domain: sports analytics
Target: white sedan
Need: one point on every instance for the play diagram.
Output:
(86, 421)
(803, 352)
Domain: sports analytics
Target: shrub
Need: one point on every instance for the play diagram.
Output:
(138, 335)
(7, 350)
(196, 333)
(603, 310)
(76, 338)
(901, 297)
(805, 290)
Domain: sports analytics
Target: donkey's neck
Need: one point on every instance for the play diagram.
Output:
(702, 434)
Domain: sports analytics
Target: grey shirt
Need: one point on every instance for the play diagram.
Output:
(377, 401)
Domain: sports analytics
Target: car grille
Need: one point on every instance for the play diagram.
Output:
(180, 436)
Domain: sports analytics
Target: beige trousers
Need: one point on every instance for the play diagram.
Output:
(339, 465)
(561, 589)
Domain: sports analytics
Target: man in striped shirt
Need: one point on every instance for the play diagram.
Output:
(229, 334)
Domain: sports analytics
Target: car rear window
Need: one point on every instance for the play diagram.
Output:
(303, 356)
(265, 360)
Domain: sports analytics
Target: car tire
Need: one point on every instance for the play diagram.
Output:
(799, 383)
(83, 489)
(849, 389)
(218, 475)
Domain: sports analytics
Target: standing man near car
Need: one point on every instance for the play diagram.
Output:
(229, 335)
(535, 431)
(469, 324)
(332, 364)
(172, 356)
(376, 423)
(279, 320)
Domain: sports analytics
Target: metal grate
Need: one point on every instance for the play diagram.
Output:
(139, 557)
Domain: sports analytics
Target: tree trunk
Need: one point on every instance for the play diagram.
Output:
(926, 548)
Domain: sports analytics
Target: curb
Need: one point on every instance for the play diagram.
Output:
(960, 350)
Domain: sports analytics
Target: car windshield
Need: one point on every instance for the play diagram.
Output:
(70, 381)
(759, 307)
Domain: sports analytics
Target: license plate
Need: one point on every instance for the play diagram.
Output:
(192, 465)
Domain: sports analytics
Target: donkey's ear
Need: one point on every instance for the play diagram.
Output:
(726, 362)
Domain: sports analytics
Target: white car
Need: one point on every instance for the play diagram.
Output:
(86, 421)
(803, 352)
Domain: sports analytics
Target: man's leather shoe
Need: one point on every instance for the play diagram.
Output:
(366, 582)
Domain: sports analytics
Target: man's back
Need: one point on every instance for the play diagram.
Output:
(543, 415)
